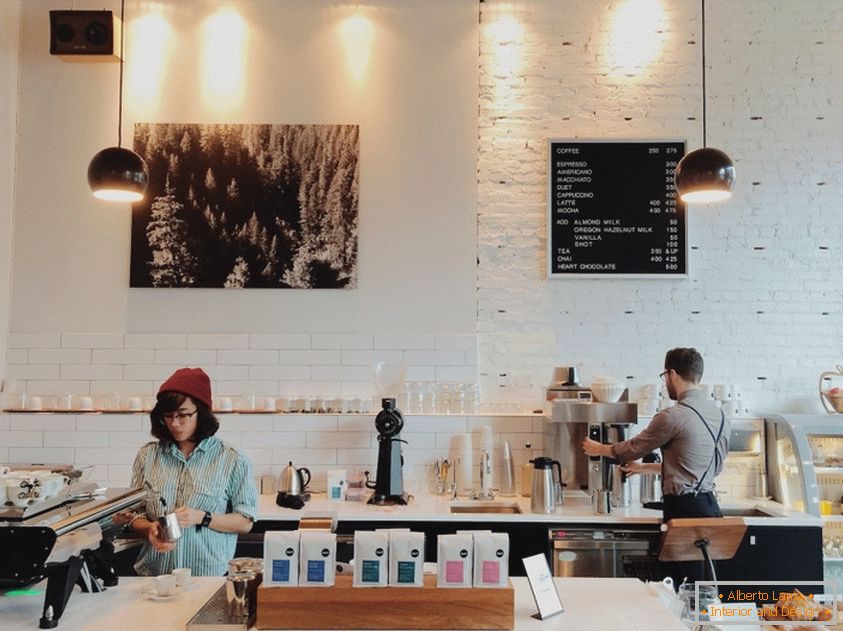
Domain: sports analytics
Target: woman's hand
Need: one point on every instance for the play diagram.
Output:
(155, 536)
(189, 516)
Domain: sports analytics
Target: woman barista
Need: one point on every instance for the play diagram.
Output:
(206, 483)
(693, 436)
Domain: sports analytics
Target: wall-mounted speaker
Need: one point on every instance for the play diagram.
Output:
(84, 33)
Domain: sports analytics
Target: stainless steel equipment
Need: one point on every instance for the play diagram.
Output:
(603, 553)
(651, 483)
(292, 480)
(543, 497)
(67, 539)
(569, 423)
(215, 615)
(566, 385)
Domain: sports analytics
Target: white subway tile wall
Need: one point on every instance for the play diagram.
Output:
(271, 365)
(107, 443)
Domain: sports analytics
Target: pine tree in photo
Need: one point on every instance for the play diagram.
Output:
(239, 276)
(172, 265)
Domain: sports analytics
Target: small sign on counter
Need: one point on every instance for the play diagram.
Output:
(543, 588)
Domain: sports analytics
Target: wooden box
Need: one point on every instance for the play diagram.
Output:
(345, 607)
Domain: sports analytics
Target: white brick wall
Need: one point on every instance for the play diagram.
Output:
(763, 301)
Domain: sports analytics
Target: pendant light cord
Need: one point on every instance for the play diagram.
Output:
(703, 55)
(120, 98)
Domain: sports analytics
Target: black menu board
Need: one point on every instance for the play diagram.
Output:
(613, 209)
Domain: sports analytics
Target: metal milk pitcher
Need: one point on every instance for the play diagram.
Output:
(542, 499)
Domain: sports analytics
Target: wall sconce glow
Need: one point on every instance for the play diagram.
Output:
(152, 41)
(636, 36)
(224, 60)
(506, 37)
(357, 34)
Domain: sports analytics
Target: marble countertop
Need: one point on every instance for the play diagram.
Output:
(577, 509)
(591, 604)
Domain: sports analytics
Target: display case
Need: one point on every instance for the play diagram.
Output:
(805, 465)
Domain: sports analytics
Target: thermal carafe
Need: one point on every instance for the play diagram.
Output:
(542, 499)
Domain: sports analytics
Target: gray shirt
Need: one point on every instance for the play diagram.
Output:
(687, 446)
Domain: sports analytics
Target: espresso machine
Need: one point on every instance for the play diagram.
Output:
(570, 422)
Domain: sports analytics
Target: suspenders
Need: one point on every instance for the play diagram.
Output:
(716, 440)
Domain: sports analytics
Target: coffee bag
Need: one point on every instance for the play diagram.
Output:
(317, 553)
(491, 559)
(455, 560)
(371, 567)
(406, 559)
(281, 558)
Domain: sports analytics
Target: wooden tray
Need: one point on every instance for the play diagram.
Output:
(345, 607)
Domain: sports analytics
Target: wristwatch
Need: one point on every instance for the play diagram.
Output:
(206, 520)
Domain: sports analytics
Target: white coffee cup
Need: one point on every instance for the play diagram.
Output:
(135, 404)
(269, 404)
(225, 404)
(182, 576)
(707, 390)
(34, 403)
(86, 403)
(165, 585)
(722, 392)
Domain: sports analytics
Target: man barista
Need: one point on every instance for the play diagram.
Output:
(693, 436)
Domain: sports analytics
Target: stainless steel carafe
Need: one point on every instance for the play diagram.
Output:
(292, 481)
(651, 485)
(542, 499)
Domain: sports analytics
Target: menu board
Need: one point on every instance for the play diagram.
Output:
(613, 209)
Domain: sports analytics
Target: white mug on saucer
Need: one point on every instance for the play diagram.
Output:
(165, 585)
(182, 576)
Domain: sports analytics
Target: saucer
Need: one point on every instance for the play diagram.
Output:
(162, 599)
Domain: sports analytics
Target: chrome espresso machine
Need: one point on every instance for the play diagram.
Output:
(570, 421)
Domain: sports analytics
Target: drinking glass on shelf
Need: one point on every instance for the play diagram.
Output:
(443, 398)
(457, 405)
(471, 399)
(429, 398)
(405, 398)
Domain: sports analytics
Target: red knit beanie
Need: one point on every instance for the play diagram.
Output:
(193, 382)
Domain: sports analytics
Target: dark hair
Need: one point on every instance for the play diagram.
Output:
(685, 362)
(170, 401)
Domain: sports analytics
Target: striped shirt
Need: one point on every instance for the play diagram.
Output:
(216, 478)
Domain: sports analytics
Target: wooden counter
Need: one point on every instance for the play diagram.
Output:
(591, 604)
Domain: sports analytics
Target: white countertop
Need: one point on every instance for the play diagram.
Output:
(591, 604)
(577, 509)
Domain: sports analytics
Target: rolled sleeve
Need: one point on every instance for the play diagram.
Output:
(242, 489)
(656, 434)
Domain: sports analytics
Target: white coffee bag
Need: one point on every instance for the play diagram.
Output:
(454, 560)
(281, 558)
(406, 559)
(371, 551)
(491, 559)
(317, 553)
(336, 484)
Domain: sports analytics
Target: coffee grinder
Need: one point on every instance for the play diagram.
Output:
(389, 483)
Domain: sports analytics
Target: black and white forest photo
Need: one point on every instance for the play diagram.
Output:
(272, 206)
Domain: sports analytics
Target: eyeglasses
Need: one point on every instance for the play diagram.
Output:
(181, 417)
(662, 375)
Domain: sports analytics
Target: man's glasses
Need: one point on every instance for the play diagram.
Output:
(181, 417)
(662, 375)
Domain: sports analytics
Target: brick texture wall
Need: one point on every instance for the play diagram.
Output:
(763, 298)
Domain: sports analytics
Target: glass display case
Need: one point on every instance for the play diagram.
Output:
(805, 465)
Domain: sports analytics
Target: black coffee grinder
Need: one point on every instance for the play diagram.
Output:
(389, 484)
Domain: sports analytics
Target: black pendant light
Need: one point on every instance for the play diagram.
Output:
(117, 174)
(705, 175)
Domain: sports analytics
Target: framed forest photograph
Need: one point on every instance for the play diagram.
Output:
(272, 206)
